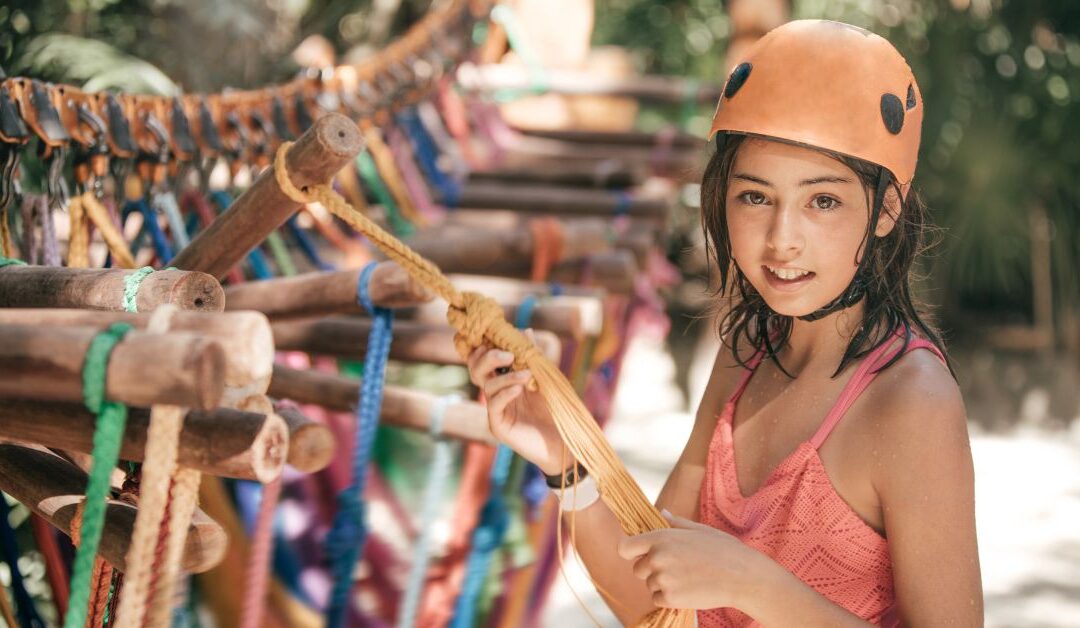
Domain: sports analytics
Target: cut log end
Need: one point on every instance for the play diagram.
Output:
(269, 451)
(338, 135)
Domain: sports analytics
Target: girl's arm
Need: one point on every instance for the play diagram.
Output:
(927, 495)
(597, 531)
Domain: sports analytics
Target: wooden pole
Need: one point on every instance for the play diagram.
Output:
(483, 250)
(331, 143)
(609, 174)
(347, 337)
(311, 444)
(52, 488)
(402, 407)
(638, 139)
(661, 89)
(322, 293)
(103, 289)
(245, 336)
(144, 369)
(559, 200)
(222, 442)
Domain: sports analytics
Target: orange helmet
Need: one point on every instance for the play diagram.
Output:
(827, 85)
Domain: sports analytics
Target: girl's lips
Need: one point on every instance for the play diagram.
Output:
(786, 285)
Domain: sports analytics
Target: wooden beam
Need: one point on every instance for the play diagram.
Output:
(559, 200)
(324, 149)
(103, 289)
(244, 336)
(144, 369)
(311, 444)
(402, 407)
(322, 293)
(52, 488)
(223, 442)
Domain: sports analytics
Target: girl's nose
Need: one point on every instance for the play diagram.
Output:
(785, 234)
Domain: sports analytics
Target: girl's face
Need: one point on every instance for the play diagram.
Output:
(796, 218)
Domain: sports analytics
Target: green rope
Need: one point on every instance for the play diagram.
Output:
(111, 417)
(365, 164)
(10, 261)
(132, 282)
(280, 252)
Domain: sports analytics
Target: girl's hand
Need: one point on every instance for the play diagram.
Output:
(694, 566)
(517, 417)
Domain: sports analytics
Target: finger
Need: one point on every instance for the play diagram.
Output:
(643, 567)
(494, 359)
(497, 403)
(497, 383)
(683, 524)
(633, 546)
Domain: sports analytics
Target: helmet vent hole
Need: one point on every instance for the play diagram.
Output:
(737, 78)
(892, 113)
(910, 97)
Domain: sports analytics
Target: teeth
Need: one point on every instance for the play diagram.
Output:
(788, 273)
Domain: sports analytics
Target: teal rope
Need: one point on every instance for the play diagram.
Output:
(111, 417)
(10, 261)
(132, 283)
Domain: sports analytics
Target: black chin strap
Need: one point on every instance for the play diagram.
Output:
(857, 288)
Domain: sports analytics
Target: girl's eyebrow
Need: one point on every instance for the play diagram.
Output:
(826, 179)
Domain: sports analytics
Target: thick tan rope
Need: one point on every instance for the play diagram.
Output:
(159, 469)
(479, 319)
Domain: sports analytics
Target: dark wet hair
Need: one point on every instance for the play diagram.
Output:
(889, 305)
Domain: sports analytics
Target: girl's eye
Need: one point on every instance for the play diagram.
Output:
(825, 203)
(753, 198)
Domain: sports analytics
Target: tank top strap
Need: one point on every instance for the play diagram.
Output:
(864, 374)
(748, 372)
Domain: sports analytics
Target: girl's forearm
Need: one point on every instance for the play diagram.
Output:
(596, 537)
(779, 598)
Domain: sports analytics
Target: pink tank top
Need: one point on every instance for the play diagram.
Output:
(796, 516)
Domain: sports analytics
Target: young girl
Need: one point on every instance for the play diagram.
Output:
(828, 478)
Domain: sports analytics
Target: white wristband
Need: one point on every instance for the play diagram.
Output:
(579, 496)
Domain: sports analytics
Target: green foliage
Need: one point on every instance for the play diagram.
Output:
(1001, 82)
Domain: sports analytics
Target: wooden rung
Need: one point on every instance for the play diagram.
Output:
(178, 368)
(402, 407)
(245, 336)
(558, 200)
(52, 488)
(324, 149)
(103, 289)
(223, 442)
(346, 337)
(311, 444)
(322, 293)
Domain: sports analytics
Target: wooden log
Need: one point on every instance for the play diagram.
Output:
(603, 174)
(614, 271)
(223, 442)
(103, 289)
(52, 488)
(347, 338)
(311, 444)
(475, 249)
(322, 293)
(245, 337)
(637, 139)
(402, 407)
(568, 316)
(323, 150)
(178, 368)
(661, 89)
(559, 200)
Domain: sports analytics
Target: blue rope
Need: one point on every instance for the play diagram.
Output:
(622, 203)
(151, 227)
(345, 542)
(494, 517)
(427, 153)
(260, 267)
(28, 615)
(306, 244)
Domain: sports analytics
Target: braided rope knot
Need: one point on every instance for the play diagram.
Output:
(348, 527)
(481, 317)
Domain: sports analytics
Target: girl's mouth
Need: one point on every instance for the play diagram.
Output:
(787, 279)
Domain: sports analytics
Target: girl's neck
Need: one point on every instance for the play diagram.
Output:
(821, 344)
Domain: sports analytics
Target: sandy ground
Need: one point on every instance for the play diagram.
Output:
(1027, 500)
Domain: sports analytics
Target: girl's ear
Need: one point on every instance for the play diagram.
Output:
(890, 211)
